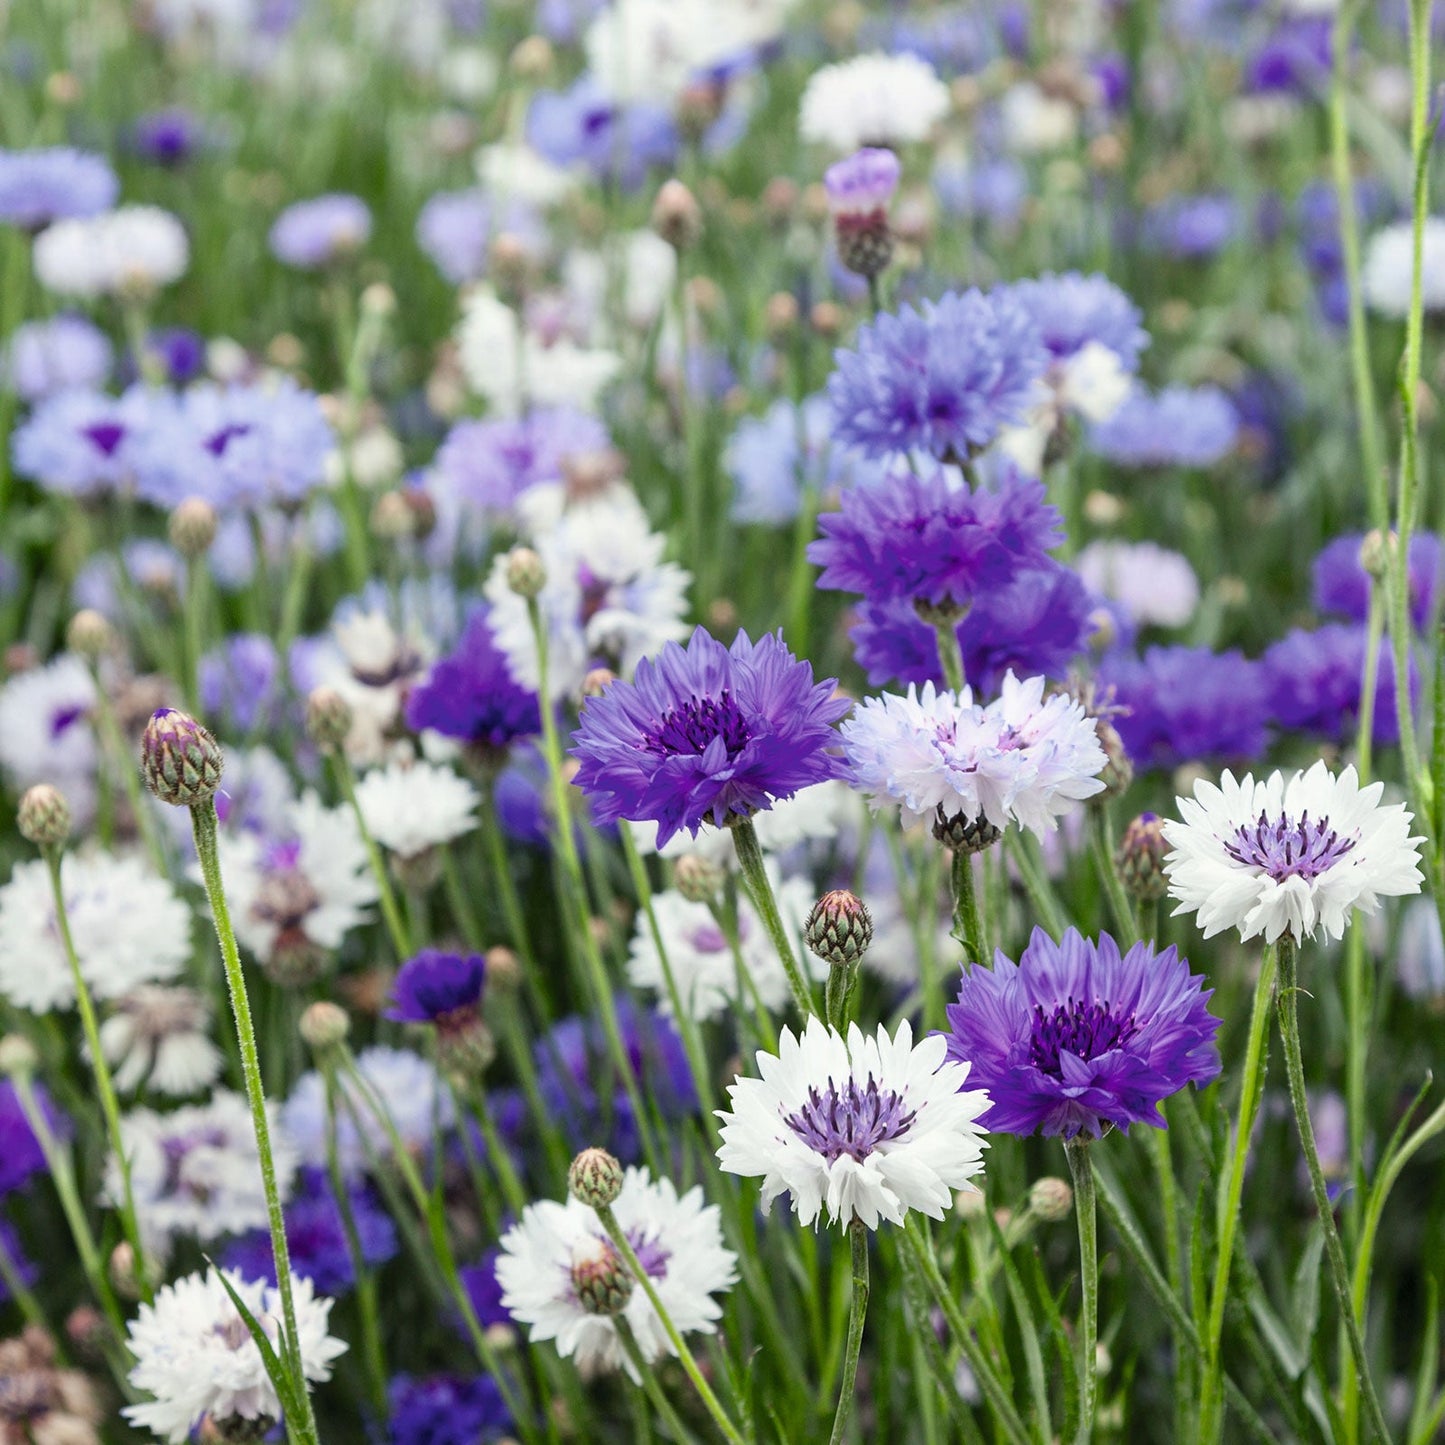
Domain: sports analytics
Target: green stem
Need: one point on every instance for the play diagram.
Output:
(1287, 1007)
(123, 756)
(950, 655)
(203, 828)
(858, 1238)
(968, 926)
(1082, 1168)
(346, 781)
(1119, 905)
(649, 1379)
(755, 875)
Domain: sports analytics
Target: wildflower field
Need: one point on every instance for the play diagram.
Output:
(725, 721)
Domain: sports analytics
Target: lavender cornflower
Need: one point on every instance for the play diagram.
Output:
(1192, 228)
(1075, 1037)
(928, 538)
(83, 443)
(583, 126)
(707, 733)
(169, 137)
(61, 354)
(319, 232)
(242, 683)
(1179, 427)
(1315, 682)
(944, 379)
(1342, 586)
(1072, 310)
(53, 183)
(446, 1410)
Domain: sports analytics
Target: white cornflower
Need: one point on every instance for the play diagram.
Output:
(868, 1127)
(518, 175)
(45, 731)
(701, 958)
(678, 1241)
(1034, 121)
(129, 928)
(160, 1038)
(1389, 262)
(304, 887)
(1296, 856)
(872, 100)
(128, 252)
(1023, 758)
(410, 809)
(419, 1106)
(1153, 585)
(195, 1355)
(195, 1172)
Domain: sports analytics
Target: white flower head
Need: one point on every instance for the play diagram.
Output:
(517, 174)
(195, 1355)
(1296, 856)
(1388, 267)
(678, 1241)
(1023, 758)
(1034, 121)
(45, 730)
(867, 1127)
(132, 251)
(160, 1037)
(129, 927)
(411, 808)
(872, 100)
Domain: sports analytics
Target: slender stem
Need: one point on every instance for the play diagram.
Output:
(1119, 905)
(950, 654)
(203, 828)
(968, 926)
(193, 612)
(500, 1159)
(123, 755)
(624, 1248)
(1042, 898)
(1082, 1168)
(755, 875)
(104, 1084)
(858, 1238)
(19, 1291)
(649, 1379)
(1287, 1007)
(1251, 1089)
(389, 910)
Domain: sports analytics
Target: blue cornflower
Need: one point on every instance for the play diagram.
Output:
(1072, 310)
(21, 1157)
(180, 353)
(1296, 58)
(52, 183)
(928, 537)
(169, 137)
(1073, 1037)
(61, 354)
(435, 985)
(1315, 680)
(707, 733)
(1184, 704)
(1179, 427)
(484, 1291)
(583, 126)
(1193, 228)
(446, 1410)
(321, 231)
(84, 443)
(1342, 587)
(241, 683)
(945, 379)
(316, 1235)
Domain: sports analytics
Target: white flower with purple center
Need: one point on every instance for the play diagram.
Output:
(677, 1239)
(1023, 758)
(1297, 856)
(868, 1128)
(45, 730)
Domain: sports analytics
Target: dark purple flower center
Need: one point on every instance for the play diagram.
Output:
(217, 442)
(105, 436)
(689, 729)
(851, 1120)
(178, 1149)
(1289, 848)
(1085, 1030)
(62, 718)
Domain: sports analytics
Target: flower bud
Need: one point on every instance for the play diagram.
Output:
(43, 816)
(698, 879)
(1118, 771)
(1376, 551)
(17, 1056)
(595, 1178)
(676, 216)
(391, 518)
(90, 634)
(839, 929)
(964, 835)
(526, 574)
(780, 317)
(378, 300)
(328, 718)
(601, 1280)
(826, 318)
(241, 1429)
(597, 681)
(1051, 1199)
(180, 760)
(1140, 856)
(531, 60)
(192, 527)
(324, 1025)
(504, 968)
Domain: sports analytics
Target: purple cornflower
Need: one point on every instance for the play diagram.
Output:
(1073, 1037)
(319, 232)
(484, 1291)
(62, 354)
(21, 1157)
(1072, 310)
(1185, 704)
(53, 183)
(944, 379)
(446, 1410)
(994, 189)
(85, 443)
(583, 126)
(470, 695)
(1296, 58)
(1315, 680)
(179, 351)
(435, 986)
(169, 137)
(928, 538)
(1342, 586)
(707, 733)
(1179, 427)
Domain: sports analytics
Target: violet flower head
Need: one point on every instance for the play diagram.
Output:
(1073, 310)
(1075, 1037)
(21, 1157)
(446, 1410)
(707, 733)
(928, 538)
(436, 986)
(1315, 681)
(319, 232)
(862, 185)
(1179, 427)
(1342, 586)
(943, 379)
(53, 183)
(42, 358)
(169, 137)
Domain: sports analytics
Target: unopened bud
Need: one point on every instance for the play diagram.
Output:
(43, 816)
(962, 834)
(780, 200)
(89, 634)
(781, 315)
(1376, 551)
(504, 968)
(676, 215)
(698, 879)
(192, 527)
(531, 60)
(391, 518)
(826, 318)
(840, 928)
(378, 300)
(597, 681)
(324, 1025)
(595, 1178)
(180, 760)
(123, 1271)
(1140, 856)
(526, 574)
(17, 1056)
(328, 718)
(1050, 1199)
(1118, 771)
(241, 1429)
(601, 1281)
(508, 262)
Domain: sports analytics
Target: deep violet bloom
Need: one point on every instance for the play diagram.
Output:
(928, 537)
(435, 985)
(706, 733)
(314, 233)
(945, 378)
(53, 183)
(21, 1157)
(1073, 1037)
(169, 137)
(1315, 681)
(1342, 587)
(446, 1410)
(471, 696)
(485, 1291)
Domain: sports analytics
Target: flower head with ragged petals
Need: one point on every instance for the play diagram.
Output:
(928, 537)
(707, 733)
(1075, 1037)
(678, 1240)
(126, 253)
(872, 100)
(1295, 856)
(868, 1128)
(21, 1157)
(1342, 586)
(410, 809)
(1179, 427)
(50, 183)
(945, 379)
(1072, 310)
(82, 443)
(44, 358)
(435, 985)
(1023, 758)
(446, 1410)
(45, 730)
(160, 1037)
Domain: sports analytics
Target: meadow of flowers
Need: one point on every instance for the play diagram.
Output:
(725, 721)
